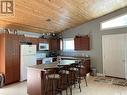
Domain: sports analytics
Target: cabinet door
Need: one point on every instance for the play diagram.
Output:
(39, 62)
(28, 39)
(34, 40)
(54, 44)
(87, 66)
(24, 39)
(82, 43)
(2, 53)
(8, 59)
(41, 40)
(86, 43)
(21, 39)
(58, 44)
(77, 43)
(12, 59)
(16, 61)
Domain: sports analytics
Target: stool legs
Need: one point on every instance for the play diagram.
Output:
(79, 81)
(85, 81)
(52, 87)
(69, 85)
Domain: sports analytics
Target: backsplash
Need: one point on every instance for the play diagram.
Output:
(76, 53)
(49, 53)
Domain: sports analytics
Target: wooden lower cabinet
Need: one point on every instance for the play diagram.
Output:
(9, 57)
(39, 62)
(87, 66)
(35, 82)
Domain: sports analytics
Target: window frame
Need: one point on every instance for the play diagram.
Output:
(65, 39)
(115, 27)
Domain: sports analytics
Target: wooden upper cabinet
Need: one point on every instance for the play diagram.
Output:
(28, 39)
(54, 44)
(82, 43)
(41, 40)
(34, 40)
(77, 43)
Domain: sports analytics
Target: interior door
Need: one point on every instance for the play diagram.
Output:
(113, 47)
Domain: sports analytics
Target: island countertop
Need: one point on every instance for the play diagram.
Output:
(36, 75)
(42, 67)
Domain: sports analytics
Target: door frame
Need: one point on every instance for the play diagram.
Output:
(125, 49)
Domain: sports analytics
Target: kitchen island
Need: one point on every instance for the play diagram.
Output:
(36, 76)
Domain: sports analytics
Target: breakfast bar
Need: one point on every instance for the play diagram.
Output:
(36, 75)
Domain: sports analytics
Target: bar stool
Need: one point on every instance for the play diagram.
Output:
(65, 73)
(84, 71)
(52, 81)
(75, 73)
(78, 73)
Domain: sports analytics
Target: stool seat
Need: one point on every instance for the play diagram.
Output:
(74, 69)
(64, 72)
(82, 66)
(54, 76)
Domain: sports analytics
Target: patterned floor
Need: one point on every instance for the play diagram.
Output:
(93, 88)
(110, 80)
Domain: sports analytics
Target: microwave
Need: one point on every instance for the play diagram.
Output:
(43, 46)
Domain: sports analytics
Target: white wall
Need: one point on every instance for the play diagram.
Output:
(92, 28)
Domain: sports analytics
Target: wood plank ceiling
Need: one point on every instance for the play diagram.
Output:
(56, 15)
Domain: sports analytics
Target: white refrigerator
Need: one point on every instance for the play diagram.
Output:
(27, 58)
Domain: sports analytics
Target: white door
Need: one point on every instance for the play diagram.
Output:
(125, 56)
(113, 47)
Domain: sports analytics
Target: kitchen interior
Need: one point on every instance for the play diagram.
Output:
(68, 47)
(22, 50)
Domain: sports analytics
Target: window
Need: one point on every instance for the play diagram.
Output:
(68, 44)
(120, 21)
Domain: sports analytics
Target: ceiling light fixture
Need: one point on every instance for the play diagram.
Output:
(48, 20)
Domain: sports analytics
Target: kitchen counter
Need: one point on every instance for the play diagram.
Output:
(68, 57)
(54, 64)
(40, 60)
(43, 66)
(75, 57)
(44, 57)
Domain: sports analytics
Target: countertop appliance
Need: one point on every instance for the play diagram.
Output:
(27, 58)
(43, 46)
